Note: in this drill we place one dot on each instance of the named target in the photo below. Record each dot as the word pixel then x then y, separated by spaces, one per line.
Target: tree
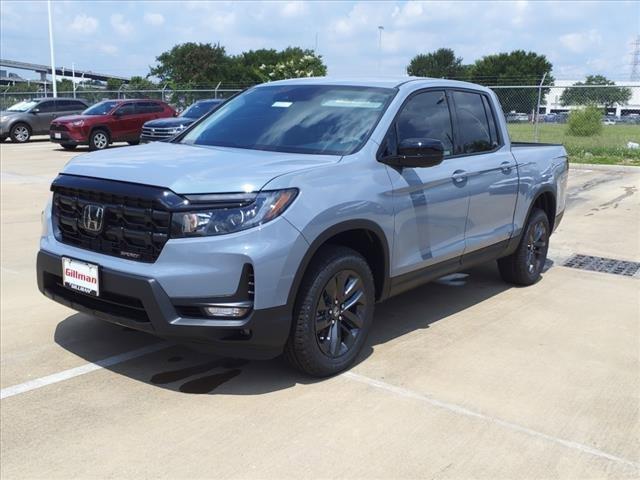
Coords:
pixel 607 96
pixel 293 62
pixel 514 68
pixel 442 63
pixel 114 84
pixel 64 85
pixel 191 64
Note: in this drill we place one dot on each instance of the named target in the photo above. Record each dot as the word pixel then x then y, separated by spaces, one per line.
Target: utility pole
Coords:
pixel 73 78
pixel 53 62
pixel 380 29
pixel 635 60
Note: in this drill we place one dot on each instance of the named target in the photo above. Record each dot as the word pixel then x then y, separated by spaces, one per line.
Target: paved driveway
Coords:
pixel 465 377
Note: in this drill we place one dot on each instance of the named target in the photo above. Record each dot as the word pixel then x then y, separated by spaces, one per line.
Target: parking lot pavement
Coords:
pixel 464 377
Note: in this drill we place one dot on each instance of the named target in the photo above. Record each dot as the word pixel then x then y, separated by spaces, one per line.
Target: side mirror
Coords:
pixel 35 110
pixel 416 153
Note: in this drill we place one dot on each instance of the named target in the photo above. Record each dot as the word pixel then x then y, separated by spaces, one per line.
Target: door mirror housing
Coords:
pixel 35 110
pixel 417 153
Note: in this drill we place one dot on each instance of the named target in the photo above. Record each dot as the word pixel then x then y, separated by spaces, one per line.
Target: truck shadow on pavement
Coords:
pixel 181 369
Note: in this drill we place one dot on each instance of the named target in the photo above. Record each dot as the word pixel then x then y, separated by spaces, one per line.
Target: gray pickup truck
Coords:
pixel 275 223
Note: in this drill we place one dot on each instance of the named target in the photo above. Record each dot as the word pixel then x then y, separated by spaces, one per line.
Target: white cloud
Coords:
pixel 295 8
pixel 579 42
pixel 120 25
pixel 108 48
pixel 84 24
pixel 155 19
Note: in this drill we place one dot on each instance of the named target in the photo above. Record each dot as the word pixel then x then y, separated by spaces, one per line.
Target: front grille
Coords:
pixel 135 223
pixel 56 127
pixel 157 133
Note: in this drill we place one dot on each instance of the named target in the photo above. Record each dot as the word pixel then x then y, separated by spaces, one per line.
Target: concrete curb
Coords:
pixel 611 168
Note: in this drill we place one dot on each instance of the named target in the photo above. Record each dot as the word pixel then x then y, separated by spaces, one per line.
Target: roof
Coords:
pixel 384 82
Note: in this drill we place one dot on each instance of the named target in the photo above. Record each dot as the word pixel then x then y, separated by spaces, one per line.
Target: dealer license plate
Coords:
pixel 80 276
pixel 57 135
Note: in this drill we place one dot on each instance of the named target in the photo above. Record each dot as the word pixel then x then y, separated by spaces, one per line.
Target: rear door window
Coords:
pixel 474 132
pixel 47 107
pixel 148 107
pixel 426 115
pixel 127 109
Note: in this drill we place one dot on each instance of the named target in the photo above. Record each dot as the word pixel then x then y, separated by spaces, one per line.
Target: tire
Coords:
pixel 20 133
pixel 99 139
pixel 524 266
pixel 135 142
pixel 68 146
pixel 317 318
pixel 3 139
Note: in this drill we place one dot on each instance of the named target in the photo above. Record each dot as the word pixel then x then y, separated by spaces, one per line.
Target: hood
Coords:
pixel 170 122
pixel 73 118
pixel 193 169
pixel 5 113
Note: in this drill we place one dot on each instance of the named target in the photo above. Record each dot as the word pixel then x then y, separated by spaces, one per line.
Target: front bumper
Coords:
pixel 71 137
pixel 141 303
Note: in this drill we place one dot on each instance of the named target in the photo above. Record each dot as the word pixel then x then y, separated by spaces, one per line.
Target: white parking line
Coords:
pixel 81 370
pixel 503 423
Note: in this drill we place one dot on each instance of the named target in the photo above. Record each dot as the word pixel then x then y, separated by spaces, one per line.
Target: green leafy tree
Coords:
pixel 191 64
pixel 585 122
pixel 603 96
pixel 293 62
pixel 64 86
pixel 442 63
pixel 514 68
pixel 113 84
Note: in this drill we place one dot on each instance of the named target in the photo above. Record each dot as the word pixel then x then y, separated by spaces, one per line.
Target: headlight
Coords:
pixel 78 123
pixel 250 210
pixel 175 130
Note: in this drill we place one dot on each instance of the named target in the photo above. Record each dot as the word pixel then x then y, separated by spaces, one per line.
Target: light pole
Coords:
pixel 380 29
pixel 53 62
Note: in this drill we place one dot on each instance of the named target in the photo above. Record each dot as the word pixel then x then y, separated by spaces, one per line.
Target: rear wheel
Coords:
pixel 524 266
pixel 99 140
pixel 333 313
pixel 68 146
pixel 20 133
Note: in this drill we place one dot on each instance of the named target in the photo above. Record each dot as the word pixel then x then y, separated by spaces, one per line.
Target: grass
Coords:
pixel 609 147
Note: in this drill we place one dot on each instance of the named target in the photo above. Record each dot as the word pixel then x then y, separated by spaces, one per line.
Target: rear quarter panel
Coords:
pixel 541 168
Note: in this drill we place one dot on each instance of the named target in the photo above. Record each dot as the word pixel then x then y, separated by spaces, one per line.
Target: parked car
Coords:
pixel 609 121
pixel 515 117
pixel 33 117
pixel 107 122
pixel 166 128
pixel 277 222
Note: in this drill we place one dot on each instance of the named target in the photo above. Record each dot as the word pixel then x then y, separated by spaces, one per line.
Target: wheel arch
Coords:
pixel 365 237
pixel 545 200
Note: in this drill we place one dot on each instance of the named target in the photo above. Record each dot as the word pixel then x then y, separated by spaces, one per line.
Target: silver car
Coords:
pixel 33 117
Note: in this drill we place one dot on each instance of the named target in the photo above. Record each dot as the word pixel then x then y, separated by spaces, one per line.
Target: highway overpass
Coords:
pixel 44 70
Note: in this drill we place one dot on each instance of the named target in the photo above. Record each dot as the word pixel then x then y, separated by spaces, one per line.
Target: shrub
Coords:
pixel 585 122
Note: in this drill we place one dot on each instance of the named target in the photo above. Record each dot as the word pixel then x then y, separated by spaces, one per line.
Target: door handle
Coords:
pixel 506 167
pixel 459 177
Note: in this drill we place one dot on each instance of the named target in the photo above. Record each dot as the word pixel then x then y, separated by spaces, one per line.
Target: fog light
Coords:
pixel 227 312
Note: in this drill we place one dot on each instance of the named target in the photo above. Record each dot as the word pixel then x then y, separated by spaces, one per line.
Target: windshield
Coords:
pixel 22 106
pixel 101 108
pixel 317 119
pixel 198 109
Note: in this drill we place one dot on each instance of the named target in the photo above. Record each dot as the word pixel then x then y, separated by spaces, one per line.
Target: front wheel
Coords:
pixel 20 133
pixel 99 140
pixel 333 313
pixel 524 266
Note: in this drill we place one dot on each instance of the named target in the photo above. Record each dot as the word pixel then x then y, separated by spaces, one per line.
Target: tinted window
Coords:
pixel 495 140
pixel 198 109
pixel 426 115
pixel 473 126
pixel 329 119
pixel 64 105
pixel 46 107
pixel 148 107
pixel 127 109
pixel 101 108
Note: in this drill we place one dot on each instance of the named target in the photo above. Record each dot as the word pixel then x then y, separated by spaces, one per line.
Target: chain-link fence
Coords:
pixel 549 114
pixel 591 121
pixel 179 99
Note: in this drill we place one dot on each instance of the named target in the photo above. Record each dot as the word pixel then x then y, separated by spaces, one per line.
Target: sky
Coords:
pixel 124 37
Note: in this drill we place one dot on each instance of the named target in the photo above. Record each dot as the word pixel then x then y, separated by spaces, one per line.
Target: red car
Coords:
pixel 107 122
